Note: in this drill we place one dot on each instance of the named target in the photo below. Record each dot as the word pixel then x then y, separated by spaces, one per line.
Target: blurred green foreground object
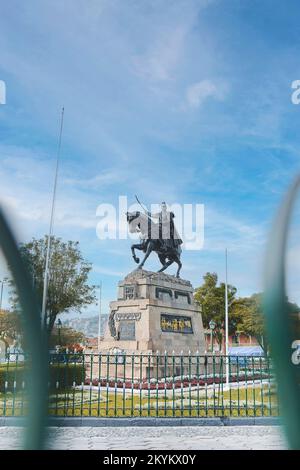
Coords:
pixel 36 341
pixel 282 326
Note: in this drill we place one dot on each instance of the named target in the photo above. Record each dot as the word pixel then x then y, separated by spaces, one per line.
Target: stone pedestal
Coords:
pixel 154 312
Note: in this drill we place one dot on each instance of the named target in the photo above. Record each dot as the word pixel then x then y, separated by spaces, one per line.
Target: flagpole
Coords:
pixel 226 322
pixel 99 319
pixel 46 273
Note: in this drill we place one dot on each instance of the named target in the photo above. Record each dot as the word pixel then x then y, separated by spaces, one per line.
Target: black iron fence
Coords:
pixel 154 385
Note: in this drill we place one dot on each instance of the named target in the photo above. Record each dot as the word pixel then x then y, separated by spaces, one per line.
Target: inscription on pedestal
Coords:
pixel 128 316
pixel 127 330
pixel 176 324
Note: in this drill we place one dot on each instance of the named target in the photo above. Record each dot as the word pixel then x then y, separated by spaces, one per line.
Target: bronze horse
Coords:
pixel 152 241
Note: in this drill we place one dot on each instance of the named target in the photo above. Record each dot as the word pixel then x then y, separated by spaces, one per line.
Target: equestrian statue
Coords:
pixel 157 233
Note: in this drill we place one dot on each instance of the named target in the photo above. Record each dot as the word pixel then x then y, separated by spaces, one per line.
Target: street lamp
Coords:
pixel 59 327
pixel 212 326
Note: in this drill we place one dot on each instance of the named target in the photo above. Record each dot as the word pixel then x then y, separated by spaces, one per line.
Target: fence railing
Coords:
pixel 157 385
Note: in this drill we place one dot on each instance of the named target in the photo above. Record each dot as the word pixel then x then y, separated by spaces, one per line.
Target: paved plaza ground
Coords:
pixel 163 437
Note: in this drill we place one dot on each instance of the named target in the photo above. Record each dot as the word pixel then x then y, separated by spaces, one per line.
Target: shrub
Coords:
pixel 62 376
pixel 65 375
pixel 11 377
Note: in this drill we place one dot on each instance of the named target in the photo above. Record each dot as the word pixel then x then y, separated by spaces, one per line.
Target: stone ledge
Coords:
pixel 75 421
pixel 138 274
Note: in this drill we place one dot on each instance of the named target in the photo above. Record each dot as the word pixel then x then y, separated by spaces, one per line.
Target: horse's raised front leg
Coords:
pixel 148 251
pixel 136 247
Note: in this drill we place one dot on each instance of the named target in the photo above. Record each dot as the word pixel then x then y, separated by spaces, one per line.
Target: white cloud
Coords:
pixel 160 62
pixel 197 93
pixel 26 190
pixel 103 63
pixel 168 31
pixel 109 177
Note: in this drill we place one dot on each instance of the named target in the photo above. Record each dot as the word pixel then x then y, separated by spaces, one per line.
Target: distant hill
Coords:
pixel 87 325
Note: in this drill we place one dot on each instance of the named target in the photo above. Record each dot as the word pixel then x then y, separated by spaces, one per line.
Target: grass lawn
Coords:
pixel 246 401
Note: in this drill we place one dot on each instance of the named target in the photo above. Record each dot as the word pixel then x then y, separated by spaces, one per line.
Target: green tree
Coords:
pixel 68 288
pixel 10 326
pixel 211 299
pixel 249 309
pixel 66 336
pixel 250 312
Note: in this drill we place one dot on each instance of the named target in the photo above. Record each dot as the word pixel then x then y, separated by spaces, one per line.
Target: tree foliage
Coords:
pixel 68 288
pixel 66 336
pixel 245 314
pixel 211 299
pixel 10 326
pixel 249 310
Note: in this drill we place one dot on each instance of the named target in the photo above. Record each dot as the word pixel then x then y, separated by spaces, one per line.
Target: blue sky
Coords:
pixel 183 101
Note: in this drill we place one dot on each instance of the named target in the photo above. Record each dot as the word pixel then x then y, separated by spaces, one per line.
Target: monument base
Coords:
pixel 155 314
